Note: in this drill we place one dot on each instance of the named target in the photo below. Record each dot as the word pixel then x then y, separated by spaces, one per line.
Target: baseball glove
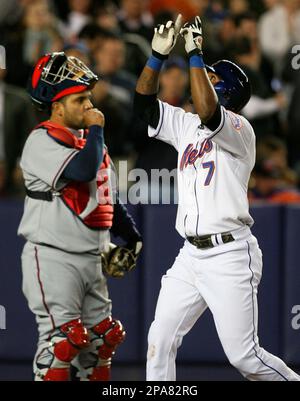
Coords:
pixel 120 259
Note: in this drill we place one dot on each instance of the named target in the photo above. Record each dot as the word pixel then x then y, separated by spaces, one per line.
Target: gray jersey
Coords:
pixel 53 223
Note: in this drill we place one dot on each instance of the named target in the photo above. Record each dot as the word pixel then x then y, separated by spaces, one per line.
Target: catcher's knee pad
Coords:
pixel 108 334
pixel 53 362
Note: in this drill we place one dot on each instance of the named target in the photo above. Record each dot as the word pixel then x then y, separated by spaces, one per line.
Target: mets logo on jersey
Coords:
pixel 190 155
pixel 236 121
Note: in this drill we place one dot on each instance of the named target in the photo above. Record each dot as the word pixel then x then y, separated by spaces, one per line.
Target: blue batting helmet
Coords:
pixel 234 89
pixel 55 76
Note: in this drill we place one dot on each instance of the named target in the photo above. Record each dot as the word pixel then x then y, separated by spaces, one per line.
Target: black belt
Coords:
pixel 46 196
pixel 205 241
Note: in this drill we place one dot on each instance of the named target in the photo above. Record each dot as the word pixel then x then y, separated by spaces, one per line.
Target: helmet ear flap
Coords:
pixel 222 93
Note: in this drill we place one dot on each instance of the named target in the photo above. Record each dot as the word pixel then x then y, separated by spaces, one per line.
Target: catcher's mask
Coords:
pixel 234 89
pixel 57 75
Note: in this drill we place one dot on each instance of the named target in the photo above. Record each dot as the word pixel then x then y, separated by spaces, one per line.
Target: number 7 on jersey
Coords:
pixel 211 167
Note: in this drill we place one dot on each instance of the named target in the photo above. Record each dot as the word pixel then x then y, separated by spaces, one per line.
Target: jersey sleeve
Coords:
pixel 44 159
pixel 173 123
pixel 234 134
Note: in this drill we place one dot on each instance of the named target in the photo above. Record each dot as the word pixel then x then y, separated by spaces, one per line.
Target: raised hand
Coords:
pixel 165 37
pixel 192 34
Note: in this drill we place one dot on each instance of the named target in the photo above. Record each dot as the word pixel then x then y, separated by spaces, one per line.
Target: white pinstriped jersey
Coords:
pixel 213 169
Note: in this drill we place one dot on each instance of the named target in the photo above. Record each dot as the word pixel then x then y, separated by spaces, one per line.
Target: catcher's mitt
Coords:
pixel 120 259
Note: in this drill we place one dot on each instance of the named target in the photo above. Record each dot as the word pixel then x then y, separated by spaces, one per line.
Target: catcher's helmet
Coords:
pixel 55 76
pixel 234 89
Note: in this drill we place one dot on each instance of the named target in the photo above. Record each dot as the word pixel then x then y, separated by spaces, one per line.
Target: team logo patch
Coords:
pixel 235 121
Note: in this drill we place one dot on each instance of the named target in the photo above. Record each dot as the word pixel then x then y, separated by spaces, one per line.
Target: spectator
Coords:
pixel 238 7
pixel 247 26
pixel 92 36
pixel 221 44
pixel 79 15
pixel 106 17
pixel 269 4
pixel 80 51
pixel 10 12
pixel 137 47
pixel 138 50
pixel 279 30
pixel 173 89
pixel 264 105
pixel 16 120
pixel 174 82
pixel 267 185
pixel 116 122
pixel 114 94
pixel 293 138
pixel 275 150
pixel 216 11
pixel 40 34
pixel 110 60
pixel 134 18
pixel 36 35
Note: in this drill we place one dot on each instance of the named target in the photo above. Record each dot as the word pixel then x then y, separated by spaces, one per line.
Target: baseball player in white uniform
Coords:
pixel 68 216
pixel 220 264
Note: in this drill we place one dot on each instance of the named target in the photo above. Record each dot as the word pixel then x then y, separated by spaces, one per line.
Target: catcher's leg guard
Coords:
pixel 108 335
pixel 53 362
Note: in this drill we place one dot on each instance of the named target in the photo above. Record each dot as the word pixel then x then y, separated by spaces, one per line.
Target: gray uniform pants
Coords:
pixel 61 287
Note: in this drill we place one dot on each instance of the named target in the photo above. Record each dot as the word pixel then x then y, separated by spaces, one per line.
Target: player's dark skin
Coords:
pixel 203 94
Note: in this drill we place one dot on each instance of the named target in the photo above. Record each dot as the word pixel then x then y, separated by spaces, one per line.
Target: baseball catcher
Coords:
pixel 71 208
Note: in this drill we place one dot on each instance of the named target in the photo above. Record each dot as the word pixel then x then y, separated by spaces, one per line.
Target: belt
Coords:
pixel 46 196
pixel 210 241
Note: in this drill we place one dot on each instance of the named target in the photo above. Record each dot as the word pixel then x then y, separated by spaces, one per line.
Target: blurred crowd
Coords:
pixel 114 39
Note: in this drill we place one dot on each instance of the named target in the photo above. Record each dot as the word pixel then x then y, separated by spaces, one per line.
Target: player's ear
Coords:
pixel 214 79
pixel 58 109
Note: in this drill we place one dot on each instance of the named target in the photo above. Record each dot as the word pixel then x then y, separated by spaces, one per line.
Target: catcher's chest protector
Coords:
pixel 90 202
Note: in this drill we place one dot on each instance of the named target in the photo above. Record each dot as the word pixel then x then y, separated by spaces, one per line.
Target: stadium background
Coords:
pixel 114 39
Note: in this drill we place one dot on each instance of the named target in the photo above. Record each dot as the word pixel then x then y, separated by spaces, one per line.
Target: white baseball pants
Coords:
pixel 224 279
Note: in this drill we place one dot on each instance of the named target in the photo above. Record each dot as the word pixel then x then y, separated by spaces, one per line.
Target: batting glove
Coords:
pixel 192 34
pixel 165 37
